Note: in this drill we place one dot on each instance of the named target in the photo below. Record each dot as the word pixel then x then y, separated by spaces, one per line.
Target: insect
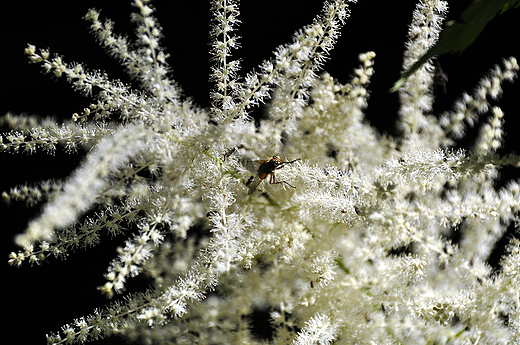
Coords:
pixel 440 79
pixel 268 168
pixel 231 151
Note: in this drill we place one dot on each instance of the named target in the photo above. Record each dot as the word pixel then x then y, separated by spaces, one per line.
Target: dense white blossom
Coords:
pixel 348 238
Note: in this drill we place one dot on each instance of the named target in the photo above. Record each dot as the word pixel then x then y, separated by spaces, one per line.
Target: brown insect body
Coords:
pixel 267 168
pixel 440 79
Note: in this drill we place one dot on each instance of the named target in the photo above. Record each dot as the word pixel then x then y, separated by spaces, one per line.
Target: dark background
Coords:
pixel 41 299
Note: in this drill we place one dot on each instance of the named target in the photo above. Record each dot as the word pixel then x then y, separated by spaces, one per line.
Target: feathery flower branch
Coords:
pixel 364 238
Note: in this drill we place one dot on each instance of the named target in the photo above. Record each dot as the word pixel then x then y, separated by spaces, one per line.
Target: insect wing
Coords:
pixel 252 165
pixel 254 184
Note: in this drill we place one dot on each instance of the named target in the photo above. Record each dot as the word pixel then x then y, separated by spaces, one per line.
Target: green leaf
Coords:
pixel 457 36
pixel 510 5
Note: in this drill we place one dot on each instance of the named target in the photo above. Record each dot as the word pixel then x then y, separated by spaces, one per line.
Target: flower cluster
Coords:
pixel 352 240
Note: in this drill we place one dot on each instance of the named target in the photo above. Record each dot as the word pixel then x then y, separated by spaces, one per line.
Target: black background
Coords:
pixel 40 299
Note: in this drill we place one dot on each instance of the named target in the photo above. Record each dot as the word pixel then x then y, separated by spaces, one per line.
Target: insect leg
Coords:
pixel 272 180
